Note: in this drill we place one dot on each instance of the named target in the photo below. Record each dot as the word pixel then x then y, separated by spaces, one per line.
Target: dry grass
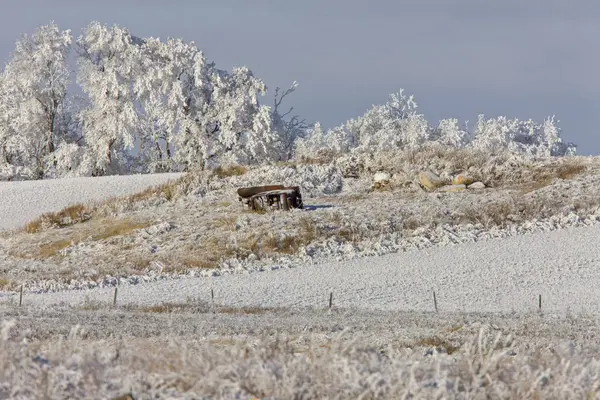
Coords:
pixel 225 221
pixel 71 215
pixel 119 227
pixel 225 172
pixel 542 176
pixel 570 169
pixel 4 283
pixel 265 367
pixel 51 249
pixel 244 310
pixel 51 246
pixel 438 343
pixel 166 191
pixel 505 212
pixel 191 306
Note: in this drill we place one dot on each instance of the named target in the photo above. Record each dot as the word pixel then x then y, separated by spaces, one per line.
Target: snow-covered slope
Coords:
pixel 498 275
pixel 478 273
pixel 23 201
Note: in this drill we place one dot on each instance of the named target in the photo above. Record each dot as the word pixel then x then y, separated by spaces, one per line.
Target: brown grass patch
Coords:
pixel 198 307
pixel 166 190
pixel 437 342
pixel 244 310
pixel 228 222
pixel 163 308
pixel 51 249
pixel 199 263
pixel 540 183
pixel 224 172
pixel 99 230
pixel 121 227
pixel 71 215
pixel 4 283
pixel 569 170
pixel 545 175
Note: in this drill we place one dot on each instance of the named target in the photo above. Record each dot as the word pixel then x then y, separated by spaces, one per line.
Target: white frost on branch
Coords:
pixel 396 125
pixel 33 90
pixel 161 106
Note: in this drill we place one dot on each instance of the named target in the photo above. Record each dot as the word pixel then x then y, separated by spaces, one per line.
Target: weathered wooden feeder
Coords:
pixel 277 197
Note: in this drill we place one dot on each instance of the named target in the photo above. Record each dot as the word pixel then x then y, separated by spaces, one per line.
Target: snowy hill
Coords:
pixel 23 201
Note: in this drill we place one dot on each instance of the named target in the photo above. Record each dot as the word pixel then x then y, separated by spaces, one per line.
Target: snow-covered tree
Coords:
pixel 34 89
pixel 450 133
pixel 231 127
pixel 291 128
pixel 396 126
pixel 172 87
pixel 108 61
pixel 313 144
pixel 393 125
pixel 529 138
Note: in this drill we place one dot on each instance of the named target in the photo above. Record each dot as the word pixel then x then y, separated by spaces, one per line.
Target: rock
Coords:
pixel 381 180
pixel 127 396
pixel 477 185
pixel 430 180
pixel 381 177
pixel 453 188
pixel 462 180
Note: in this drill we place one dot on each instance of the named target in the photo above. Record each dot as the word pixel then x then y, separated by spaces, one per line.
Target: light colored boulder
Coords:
pixel 381 180
pixel 381 177
pixel 477 185
pixel 453 188
pixel 462 180
pixel 431 181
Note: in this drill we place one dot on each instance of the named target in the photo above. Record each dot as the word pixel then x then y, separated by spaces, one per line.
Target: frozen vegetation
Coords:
pixel 488 216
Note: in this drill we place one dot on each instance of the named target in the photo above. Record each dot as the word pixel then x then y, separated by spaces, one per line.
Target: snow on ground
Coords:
pixel 23 201
pixel 479 269
pixel 497 275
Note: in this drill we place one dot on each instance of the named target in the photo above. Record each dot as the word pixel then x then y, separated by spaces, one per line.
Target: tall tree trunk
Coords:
pixel 50 134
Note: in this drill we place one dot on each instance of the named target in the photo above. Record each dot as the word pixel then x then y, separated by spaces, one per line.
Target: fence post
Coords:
pixel 435 302
pixel 212 299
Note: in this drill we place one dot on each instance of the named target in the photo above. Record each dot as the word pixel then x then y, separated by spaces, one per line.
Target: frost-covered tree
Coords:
pixel 194 114
pixel 450 133
pixel 231 126
pixel 314 144
pixel 290 129
pixel 396 126
pixel 108 61
pixel 172 87
pixel 529 138
pixel 34 90
pixel 393 125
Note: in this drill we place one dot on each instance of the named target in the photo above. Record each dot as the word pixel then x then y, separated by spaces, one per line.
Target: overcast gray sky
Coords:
pixel 519 58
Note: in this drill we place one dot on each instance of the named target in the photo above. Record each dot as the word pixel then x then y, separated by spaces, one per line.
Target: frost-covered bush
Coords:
pixel 392 125
pixel 395 126
pixel 313 179
pixel 523 137
pixel 162 106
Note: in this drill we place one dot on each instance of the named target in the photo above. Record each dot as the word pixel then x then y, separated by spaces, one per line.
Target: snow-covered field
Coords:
pixel 470 269
pixel 382 339
pixel 22 201
pixel 498 275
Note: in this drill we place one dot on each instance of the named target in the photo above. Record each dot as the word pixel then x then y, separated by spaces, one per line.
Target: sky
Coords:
pixel 460 58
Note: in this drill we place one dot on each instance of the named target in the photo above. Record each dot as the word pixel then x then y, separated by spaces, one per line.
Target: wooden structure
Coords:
pixel 278 197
